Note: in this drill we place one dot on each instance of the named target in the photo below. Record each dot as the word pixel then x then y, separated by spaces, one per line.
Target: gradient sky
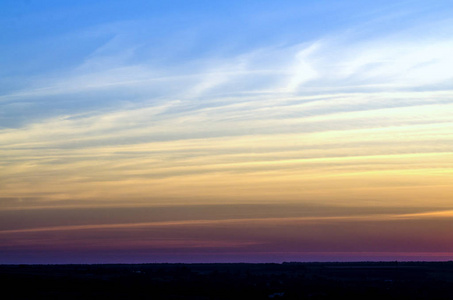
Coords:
pixel 225 131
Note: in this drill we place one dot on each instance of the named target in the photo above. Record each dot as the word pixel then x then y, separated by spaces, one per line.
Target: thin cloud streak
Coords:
pixel 378 217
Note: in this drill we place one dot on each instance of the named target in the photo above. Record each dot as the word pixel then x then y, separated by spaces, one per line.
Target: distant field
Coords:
pixel 364 280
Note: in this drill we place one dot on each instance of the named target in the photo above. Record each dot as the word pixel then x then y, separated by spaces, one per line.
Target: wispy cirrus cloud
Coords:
pixel 356 114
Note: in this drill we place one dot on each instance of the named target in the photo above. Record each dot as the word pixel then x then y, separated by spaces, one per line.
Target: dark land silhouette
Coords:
pixel 359 280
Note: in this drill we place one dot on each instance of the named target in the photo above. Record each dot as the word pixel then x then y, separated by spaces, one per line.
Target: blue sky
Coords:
pixel 107 104
pixel 47 41
pixel 52 36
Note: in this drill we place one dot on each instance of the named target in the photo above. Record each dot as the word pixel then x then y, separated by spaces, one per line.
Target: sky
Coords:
pixel 225 131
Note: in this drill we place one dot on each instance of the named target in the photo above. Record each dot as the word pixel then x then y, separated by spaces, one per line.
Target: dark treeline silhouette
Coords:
pixel 364 280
